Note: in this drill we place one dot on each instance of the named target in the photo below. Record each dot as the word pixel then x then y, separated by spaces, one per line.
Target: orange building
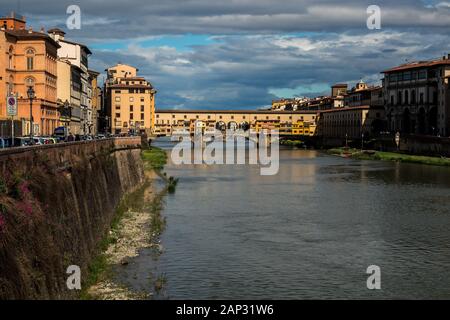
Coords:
pixel 28 59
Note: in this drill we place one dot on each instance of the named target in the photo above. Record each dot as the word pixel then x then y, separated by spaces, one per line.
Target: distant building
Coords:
pixel 339 89
pixel 28 59
pixel 417 97
pixel 364 95
pixel 129 100
pixel 350 123
pixel 286 122
pixel 96 100
pixel 77 55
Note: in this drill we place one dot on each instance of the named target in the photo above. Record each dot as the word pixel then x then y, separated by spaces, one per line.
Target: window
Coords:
pixel 117 106
pixel 413 96
pixel 142 108
pixel 422 74
pixel 10 87
pixel 131 108
pixel 117 91
pixel 117 115
pixel 406 97
pixel 142 116
pixel 131 116
pixel 399 98
pixel 142 99
pixel 10 58
pixel 30 59
pixel 117 99
pixel 407 76
pixel 421 98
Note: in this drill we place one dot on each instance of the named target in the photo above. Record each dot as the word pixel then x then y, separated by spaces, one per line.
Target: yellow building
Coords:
pixel 168 121
pixel 96 99
pixel 130 100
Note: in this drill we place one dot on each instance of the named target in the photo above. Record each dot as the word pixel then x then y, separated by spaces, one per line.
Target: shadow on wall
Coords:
pixel 54 211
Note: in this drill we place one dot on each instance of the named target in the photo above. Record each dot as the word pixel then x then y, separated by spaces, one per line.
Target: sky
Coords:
pixel 242 54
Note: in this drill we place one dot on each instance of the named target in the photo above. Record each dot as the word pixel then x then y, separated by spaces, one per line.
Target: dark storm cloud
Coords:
pixel 250 71
pixel 257 60
pixel 130 19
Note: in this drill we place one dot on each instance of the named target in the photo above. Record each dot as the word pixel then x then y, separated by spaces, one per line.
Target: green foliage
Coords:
pixel 292 143
pixel 154 158
pixel 171 184
pixel 389 156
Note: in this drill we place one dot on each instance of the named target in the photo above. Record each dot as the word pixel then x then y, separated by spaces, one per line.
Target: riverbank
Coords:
pixel 388 156
pixel 137 225
pixel 292 143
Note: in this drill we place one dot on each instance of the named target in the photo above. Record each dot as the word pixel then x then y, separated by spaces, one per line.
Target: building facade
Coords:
pixel 28 59
pixel 417 97
pixel 77 55
pixel 293 122
pixel 129 101
pixel 351 122
pixel 96 100
pixel 364 95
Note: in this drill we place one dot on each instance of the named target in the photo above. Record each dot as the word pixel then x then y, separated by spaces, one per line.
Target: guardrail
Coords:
pixel 61 154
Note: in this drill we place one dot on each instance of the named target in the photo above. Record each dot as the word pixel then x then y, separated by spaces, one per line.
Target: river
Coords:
pixel 309 232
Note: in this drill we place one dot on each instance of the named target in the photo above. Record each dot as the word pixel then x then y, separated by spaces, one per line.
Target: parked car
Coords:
pixel 38 141
pixel 22 142
pixel 5 143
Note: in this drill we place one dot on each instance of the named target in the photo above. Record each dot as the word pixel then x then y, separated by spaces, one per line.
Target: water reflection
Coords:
pixel 308 232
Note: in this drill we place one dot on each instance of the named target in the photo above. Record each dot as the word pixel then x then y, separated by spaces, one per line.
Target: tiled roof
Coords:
pixel 419 64
pixel 235 111
pixel 32 35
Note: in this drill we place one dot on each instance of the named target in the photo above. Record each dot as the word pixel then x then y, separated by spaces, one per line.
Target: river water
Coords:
pixel 309 232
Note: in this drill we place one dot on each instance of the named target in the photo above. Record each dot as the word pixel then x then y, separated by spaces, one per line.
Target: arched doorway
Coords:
pixel 432 121
pixel 245 126
pixel 377 126
pixel 422 121
pixel 221 126
pixel 406 122
pixel 232 125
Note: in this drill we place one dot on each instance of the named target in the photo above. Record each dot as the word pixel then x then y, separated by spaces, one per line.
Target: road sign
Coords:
pixel 11 106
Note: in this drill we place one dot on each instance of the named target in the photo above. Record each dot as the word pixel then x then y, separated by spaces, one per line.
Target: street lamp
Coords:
pixel 66 118
pixel 31 96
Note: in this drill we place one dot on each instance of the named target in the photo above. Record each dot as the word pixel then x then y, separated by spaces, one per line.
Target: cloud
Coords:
pixel 244 53
pixel 249 71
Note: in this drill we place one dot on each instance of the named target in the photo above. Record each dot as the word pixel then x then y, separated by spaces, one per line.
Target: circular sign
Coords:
pixel 11 101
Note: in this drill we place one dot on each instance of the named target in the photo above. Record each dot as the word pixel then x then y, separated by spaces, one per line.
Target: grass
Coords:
pixel 154 158
pixel 292 143
pixel 390 156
